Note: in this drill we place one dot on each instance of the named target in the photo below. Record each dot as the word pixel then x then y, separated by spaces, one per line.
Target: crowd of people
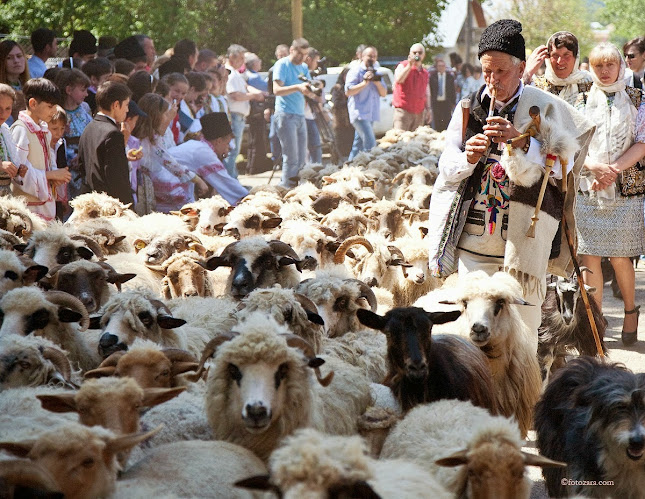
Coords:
pixel 159 132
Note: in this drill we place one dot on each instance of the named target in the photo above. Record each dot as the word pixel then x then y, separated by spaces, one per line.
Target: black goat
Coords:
pixel 592 416
pixel 421 369
pixel 565 327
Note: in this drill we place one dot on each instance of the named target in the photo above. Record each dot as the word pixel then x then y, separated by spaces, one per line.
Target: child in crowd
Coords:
pixel 178 84
pixel 98 71
pixel 8 152
pixel 73 85
pixel 190 107
pixel 133 151
pixel 101 151
pixel 57 126
pixel 173 183
pixel 218 92
pixel 32 137
pixel 141 83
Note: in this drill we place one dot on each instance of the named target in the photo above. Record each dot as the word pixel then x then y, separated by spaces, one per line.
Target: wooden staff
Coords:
pixel 548 166
pixel 581 283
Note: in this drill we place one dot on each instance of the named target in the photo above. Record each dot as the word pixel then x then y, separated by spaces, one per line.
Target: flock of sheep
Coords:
pixel 295 344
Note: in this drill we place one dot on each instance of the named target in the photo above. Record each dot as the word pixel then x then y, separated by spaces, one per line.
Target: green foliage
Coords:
pixel 627 18
pixel 335 27
pixel 541 18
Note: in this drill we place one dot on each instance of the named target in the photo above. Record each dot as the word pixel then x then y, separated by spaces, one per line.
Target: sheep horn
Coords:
pixel 91 244
pixel 178 355
pixel 113 359
pixel 396 179
pixel 211 348
pixel 29 225
pixel 281 248
pixel 313 361
pixel 66 300
pixel 339 256
pixel 110 236
pixel 59 359
pixel 159 305
pixel 9 237
pixel 366 292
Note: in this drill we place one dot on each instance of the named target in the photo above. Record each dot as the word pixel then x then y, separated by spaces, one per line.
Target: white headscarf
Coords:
pixel 615 129
pixel 570 91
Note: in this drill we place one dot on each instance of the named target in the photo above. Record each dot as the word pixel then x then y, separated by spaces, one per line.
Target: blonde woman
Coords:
pixel 610 217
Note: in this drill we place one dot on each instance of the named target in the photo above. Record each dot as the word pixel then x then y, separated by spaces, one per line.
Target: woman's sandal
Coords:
pixel 630 338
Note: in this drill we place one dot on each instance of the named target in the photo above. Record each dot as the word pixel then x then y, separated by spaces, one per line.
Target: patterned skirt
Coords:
pixel 615 228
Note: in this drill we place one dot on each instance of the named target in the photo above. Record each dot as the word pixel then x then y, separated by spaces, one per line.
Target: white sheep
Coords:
pixel 16 218
pixel 260 389
pixel 207 216
pixel 314 465
pixel 250 219
pixel 416 279
pixel 49 314
pixel 491 321
pixel 470 452
pixel 15 273
pixel 94 205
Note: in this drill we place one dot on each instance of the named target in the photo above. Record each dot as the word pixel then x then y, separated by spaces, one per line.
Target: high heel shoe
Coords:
pixel 629 338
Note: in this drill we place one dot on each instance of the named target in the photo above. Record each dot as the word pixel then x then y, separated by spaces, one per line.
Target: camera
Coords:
pixel 314 86
pixel 377 77
pixel 321 69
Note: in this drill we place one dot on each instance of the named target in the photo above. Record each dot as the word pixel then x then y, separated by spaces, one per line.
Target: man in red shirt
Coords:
pixel 410 90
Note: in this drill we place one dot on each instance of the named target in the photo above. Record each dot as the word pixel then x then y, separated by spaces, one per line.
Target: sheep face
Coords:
pixel 13 273
pixel 256 263
pixel 82 461
pixel 28 362
pixel 408 333
pixel 386 218
pixel 130 316
pixel 157 250
pixel 213 219
pixel 381 265
pixel 184 278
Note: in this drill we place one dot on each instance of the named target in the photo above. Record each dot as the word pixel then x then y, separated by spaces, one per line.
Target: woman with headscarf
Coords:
pixel 609 211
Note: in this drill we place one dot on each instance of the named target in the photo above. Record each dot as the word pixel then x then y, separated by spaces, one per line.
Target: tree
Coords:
pixel 626 16
pixel 541 18
pixel 335 27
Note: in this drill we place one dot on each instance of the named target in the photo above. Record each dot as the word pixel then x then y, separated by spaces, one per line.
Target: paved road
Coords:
pixel 633 357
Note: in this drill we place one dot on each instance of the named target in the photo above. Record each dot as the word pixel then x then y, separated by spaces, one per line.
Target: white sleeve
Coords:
pixel 226 186
pixel 21 140
pixel 453 165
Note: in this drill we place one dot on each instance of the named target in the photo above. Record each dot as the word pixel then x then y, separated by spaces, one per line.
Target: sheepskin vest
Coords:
pixel 527 259
pixel 39 158
pixel 411 94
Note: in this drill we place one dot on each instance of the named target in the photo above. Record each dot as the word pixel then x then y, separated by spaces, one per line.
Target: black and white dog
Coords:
pixel 592 416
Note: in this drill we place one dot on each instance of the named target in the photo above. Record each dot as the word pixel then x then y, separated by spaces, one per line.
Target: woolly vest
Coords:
pixel 411 94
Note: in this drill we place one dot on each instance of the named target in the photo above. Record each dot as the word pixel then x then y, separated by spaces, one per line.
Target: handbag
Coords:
pixel 632 180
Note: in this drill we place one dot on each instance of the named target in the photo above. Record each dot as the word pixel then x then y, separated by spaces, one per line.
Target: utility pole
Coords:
pixel 296 18
pixel 469 29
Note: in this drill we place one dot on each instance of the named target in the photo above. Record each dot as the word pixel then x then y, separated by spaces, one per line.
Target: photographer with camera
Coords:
pixel 364 89
pixel 290 124
pixel 411 90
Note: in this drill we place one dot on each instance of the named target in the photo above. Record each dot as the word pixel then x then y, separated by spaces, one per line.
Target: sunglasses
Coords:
pixel 630 56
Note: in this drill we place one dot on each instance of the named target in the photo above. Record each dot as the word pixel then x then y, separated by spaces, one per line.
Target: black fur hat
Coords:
pixel 215 125
pixel 505 36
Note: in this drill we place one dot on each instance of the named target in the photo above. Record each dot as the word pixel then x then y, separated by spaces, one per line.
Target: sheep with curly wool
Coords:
pixel 14 273
pixel 16 218
pixel 260 389
pixel 94 205
pixel 215 315
pixel 386 218
pixel 191 469
pixel 156 249
pixel 314 243
pixel 346 221
pixel 33 361
pixel 59 244
pixel 113 403
pixel 416 175
pixel 256 263
pixel 249 219
pixel 184 276
pixel 470 452
pixel 50 315
pixel 206 216
pixel 105 234
pixel 491 321
pixel 137 314
pixel 314 465
pixel 414 196
pixel 81 460
pixel 296 211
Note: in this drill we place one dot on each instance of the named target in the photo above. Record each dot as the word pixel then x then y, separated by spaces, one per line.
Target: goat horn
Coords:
pixel 211 348
pixel 111 237
pixel 178 355
pixel 29 225
pixel 66 300
pixel 367 293
pixel 339 256
pixel 91 244
pixel 299 342
pixel 59 359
